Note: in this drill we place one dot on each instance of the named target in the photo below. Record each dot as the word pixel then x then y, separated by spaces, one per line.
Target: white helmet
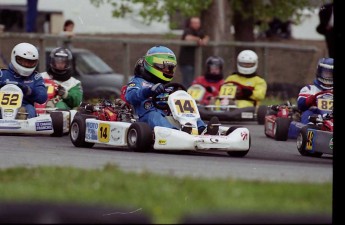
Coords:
pixel 24 58
pixel 247 62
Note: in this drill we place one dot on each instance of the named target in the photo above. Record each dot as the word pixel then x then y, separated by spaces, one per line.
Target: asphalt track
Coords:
pixel 267 159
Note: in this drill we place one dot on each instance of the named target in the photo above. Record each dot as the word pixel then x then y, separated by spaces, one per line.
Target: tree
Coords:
pixel 242 14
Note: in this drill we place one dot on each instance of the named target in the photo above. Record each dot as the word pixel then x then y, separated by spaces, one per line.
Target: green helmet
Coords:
pixel 160 62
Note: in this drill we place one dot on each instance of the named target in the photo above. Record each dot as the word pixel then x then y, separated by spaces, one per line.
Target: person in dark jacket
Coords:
pixel 325 27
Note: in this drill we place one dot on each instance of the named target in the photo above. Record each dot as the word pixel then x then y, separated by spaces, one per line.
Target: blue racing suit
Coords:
pixel 308 108
pixel 34 81
pixel 138 94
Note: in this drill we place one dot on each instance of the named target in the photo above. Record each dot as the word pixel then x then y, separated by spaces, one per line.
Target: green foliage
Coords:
pixel 165 198
pixel 157 10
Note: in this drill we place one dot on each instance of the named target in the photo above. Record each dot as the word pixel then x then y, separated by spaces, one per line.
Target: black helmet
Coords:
pixel 60 63
pixel 217 62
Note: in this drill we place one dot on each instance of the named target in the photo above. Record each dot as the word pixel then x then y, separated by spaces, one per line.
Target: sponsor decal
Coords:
pixel 47 125
pixel 131 85
pixel 247 115
pixel 8 112
pixel 91 125
pixel 331 144
pixel 37 76
pixel 310 137
pixel 147 105
pixel 162 141
pixel 164 133
pixel 244 135
pixel 9 124
pixel 91 131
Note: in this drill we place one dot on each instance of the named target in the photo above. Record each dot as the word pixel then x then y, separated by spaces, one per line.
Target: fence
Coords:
pixel 278 62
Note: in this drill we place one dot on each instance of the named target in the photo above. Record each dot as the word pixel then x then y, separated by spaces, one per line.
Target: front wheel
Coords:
pixel 301 142
pixel 281 128
pixel 77 132
pixel 139 137
pixel 57 120
pixel 261 113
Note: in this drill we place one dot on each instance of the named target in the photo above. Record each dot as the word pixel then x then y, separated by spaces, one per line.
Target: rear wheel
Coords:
pixel 281 128
pixel 77 132
pixel 301 142
pixel 139 137
pixel 57 120
pixel 261 113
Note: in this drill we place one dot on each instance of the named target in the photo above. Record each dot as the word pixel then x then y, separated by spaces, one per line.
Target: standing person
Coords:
pixel 70 91
pixel 325 27
pixel 68 31
pixel 152 71
pixel 192 32
pixel 212 79
pixel 251 88
pixel 24 59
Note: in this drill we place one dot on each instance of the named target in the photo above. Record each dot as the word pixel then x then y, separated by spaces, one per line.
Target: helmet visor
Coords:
pixel 27 63
pixel 166 67
pixel 60 63
pixel 246 64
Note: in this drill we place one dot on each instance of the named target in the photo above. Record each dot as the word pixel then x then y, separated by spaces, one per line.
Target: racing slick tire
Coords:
pixel 139 137
pixel 281 128
pixel 57 120
pixel 77 132
pixel 237 153
pixel 301 142
pixel 261 113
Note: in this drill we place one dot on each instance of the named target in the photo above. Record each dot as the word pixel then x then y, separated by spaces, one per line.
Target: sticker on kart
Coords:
pixel 197 92
pixel 10 100
pixel 228 91
pixel 325 104
pixel 185 107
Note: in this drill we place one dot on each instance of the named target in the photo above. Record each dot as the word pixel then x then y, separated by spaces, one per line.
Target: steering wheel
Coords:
pixel 160 100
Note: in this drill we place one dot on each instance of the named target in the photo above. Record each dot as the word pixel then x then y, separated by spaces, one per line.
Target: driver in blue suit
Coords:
pixel 24 59
pixel 306 101
pixel 151 72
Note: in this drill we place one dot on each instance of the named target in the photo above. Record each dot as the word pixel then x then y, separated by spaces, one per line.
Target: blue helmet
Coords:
pixel 324 73
pixel 161 63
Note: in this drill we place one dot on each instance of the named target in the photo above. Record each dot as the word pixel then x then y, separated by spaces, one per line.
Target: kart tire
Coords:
pixel 57 120
pixel 281 129
pixel 237 153
pixel 139 137
pixel 302 142
pixel 77 132
pixel 261 113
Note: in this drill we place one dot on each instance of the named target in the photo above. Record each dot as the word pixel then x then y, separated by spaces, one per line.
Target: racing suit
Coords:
pixel 137 94
pixel 306 102
pixel 250 89
pixel 34 82
pixel 74 92
pixel 212 88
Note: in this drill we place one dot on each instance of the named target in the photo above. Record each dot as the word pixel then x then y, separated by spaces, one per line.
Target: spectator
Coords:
pixel 325 26
pixel 24 59
pixel 192 32
pixel 70 93
pixel 212 79
pixel 251 88
pixel 68 31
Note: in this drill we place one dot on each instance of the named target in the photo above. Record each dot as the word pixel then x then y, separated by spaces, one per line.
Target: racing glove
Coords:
pixel 61 91
pixel 243 92
pixel 209 89
pixel 310 100
pixel 154 90
pixel 25 88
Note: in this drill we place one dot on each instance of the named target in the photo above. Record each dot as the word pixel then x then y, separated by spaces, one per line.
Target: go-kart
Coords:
pixel 278 119
pixel 138 136
pixel 323 105
pixel 49 106
pixel 14 120
pixel 224 105
pixel 316 138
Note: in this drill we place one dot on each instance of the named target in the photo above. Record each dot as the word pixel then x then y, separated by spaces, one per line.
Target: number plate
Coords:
pixel 185 106
pixel 10 100
pixel 325 104
pixel 228 91
pixel 103 132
